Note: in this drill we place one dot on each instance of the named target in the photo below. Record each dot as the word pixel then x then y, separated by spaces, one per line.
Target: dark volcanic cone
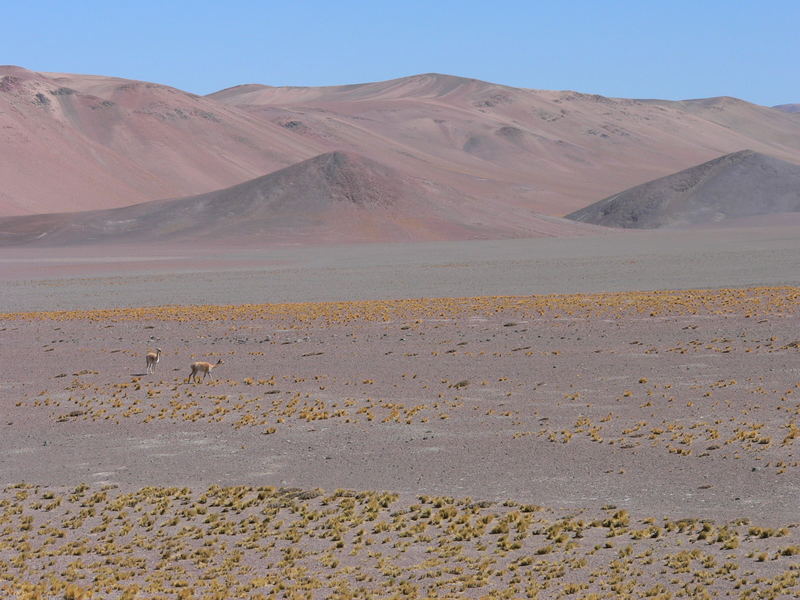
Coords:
pixel 742 184
pixel 295 198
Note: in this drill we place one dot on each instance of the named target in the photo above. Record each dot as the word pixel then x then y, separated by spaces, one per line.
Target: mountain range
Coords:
pixel 86 142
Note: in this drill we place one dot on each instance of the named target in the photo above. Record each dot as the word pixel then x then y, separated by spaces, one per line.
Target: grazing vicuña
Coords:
pixel 204 368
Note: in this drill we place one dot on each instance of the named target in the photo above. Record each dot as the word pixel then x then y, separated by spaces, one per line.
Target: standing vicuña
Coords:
pixel 151 358
pixel 204 368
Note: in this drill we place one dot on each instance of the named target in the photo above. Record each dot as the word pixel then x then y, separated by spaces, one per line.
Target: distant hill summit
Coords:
pixel 425 85
pixel 333 197
pixel 790 108
pixel 741 184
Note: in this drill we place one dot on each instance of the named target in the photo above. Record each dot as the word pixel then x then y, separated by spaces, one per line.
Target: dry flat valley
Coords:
pixel 629 444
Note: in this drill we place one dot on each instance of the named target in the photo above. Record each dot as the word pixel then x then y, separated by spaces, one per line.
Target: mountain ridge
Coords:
pixel 81 142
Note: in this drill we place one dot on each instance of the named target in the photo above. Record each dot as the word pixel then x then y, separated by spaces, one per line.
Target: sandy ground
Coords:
pixel 620 444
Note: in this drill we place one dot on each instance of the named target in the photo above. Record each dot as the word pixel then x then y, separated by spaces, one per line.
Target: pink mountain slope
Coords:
pixel 120 142
pixel 76 142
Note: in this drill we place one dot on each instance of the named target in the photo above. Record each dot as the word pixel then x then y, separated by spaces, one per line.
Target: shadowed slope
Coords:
pixel 335 197
pixel 742 184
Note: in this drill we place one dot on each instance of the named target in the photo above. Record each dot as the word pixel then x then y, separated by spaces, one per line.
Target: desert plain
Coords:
pixel 450 361
pixel 484 419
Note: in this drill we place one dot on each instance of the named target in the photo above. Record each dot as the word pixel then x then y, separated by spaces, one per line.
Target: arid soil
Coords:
pixel 588 446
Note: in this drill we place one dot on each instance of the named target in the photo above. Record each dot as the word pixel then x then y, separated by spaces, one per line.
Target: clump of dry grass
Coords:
pixel 749 302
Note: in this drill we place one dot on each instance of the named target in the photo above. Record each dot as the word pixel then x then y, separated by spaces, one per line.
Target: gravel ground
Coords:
pixel 100 277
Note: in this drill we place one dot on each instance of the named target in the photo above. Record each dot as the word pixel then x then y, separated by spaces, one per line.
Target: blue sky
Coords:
pixel 668 49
